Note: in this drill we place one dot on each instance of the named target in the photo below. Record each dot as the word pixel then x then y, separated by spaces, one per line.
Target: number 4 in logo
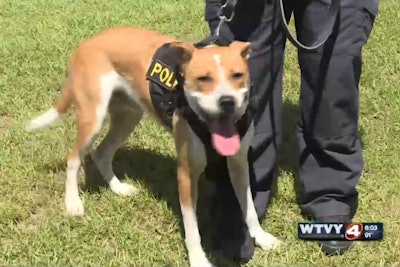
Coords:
pixel 354 231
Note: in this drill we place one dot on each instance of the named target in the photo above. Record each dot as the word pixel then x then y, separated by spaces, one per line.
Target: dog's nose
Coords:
pixel 227 103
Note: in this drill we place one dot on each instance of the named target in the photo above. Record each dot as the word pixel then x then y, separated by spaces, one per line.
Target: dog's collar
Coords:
pixel 213 40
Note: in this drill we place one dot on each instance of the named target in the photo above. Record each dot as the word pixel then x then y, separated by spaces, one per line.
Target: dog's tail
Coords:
pixel 53 114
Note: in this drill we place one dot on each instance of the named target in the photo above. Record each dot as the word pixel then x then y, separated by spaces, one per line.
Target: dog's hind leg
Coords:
pixel 123 120
pixel 87 130
pixel 91 108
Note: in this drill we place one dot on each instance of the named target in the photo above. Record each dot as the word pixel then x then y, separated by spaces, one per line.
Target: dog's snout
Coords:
pixel 227 103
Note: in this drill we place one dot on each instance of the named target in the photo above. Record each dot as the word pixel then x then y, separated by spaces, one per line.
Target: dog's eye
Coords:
pixel 237 75
pixel 204 78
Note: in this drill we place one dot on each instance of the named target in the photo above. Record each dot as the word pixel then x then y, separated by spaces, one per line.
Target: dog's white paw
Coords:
pixel 266 241
pixel 74 206
pixel 123 189
pixel 199 259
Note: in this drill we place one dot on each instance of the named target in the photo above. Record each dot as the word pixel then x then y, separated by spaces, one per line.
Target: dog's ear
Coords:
pixel 243 47
pixel 183 50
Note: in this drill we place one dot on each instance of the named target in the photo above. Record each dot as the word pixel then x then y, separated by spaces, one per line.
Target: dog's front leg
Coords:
pixel 191 163
pixel 239 172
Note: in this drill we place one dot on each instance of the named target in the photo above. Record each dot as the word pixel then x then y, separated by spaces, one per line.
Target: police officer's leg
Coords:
pixel 330 149
pixel 257 22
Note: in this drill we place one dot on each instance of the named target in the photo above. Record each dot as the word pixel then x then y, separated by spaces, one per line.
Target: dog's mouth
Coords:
pixel 224 135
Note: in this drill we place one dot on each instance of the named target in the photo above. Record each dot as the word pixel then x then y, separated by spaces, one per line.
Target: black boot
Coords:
pixel 332 248
pixel 232 236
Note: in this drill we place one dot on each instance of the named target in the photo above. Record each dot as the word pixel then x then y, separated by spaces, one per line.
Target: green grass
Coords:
pixel 36 38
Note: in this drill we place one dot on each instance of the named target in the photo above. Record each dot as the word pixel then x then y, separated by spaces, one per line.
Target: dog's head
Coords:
pixel 216 85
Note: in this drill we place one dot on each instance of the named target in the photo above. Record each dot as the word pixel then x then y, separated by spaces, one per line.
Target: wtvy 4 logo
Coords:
pixel 340 231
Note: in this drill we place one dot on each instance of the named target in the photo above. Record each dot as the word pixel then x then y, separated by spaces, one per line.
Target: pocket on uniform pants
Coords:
pixel 372 6
pixel 366 13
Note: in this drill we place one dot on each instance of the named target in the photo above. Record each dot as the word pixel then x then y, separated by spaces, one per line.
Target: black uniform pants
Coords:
pixel 329 148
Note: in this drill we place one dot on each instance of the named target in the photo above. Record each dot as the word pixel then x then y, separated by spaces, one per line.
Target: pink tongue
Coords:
pixel 224 137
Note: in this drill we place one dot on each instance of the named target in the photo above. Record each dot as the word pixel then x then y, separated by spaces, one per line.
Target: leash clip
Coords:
pixel 223 18
pixel 221 13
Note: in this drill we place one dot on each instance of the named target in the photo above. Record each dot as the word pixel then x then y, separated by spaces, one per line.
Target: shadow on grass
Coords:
pixel 288 156
pixel 157 173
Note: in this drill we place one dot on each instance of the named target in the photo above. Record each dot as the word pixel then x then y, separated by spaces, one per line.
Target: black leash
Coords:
pixel 225 15
pixel 227 12
pixel 327 29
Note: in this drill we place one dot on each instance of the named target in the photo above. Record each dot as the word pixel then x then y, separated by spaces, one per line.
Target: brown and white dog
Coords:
pixel 107 74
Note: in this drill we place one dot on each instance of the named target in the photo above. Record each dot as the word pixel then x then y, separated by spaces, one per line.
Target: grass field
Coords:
pixel 36 38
